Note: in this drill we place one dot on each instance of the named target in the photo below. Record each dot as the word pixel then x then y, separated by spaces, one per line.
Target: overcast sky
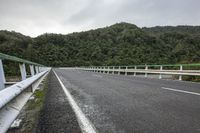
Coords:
pixel 35 17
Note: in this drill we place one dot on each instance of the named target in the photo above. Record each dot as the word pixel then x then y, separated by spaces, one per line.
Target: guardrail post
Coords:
pixel 160 76
pixel 39 69
pixel 113 72
pixel 135 69
pixel 23 71
pixel 108 70
pixel 119 70
pixel 32 70
pixel 42 69
pixel 146 68
pixel 2 76
pixel 180 76
pixel 36 69
pixel 126 70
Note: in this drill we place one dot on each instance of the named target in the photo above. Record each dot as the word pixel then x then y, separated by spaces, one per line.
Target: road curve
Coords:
pixel 125 104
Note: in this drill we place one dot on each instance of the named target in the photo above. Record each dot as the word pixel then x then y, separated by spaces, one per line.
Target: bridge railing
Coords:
pixel 35 68
pixel 14 97
pixel 159 70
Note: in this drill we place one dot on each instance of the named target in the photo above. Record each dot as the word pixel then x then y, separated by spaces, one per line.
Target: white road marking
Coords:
pixel 85 124
pixel 182 91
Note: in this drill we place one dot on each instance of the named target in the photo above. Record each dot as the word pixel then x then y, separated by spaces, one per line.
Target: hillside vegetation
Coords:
pixel 119 44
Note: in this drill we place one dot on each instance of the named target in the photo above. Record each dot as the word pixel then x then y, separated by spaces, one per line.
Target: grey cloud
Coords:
pixel 34 17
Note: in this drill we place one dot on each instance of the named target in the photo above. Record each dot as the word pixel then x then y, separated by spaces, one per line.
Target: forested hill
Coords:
pixel 179 29
pixel 119 44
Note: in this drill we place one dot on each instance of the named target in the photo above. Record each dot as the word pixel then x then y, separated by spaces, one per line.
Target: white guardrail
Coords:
pixel 11 92
pixel 14 97
pixel 177 69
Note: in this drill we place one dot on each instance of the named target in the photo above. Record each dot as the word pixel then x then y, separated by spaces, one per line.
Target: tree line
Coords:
pixel 118 44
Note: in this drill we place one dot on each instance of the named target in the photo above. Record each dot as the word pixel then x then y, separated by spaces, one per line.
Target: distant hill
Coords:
pixel 118 44
pixel 179 29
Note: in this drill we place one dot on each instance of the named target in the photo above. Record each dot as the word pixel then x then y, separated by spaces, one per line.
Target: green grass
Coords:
pixel 39 97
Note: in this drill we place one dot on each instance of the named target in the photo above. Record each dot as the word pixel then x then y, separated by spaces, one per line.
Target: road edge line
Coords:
pixel 84 123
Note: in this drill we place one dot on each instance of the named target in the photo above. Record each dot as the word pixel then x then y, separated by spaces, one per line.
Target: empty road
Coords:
pixel 126 104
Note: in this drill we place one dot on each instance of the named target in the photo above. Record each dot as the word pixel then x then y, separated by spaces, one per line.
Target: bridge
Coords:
pixel 121 99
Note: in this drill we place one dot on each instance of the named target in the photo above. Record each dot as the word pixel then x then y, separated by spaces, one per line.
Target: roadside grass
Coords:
pixel 39 96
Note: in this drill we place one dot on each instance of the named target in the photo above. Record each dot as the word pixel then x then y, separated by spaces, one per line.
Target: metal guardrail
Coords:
pixel 170 69
pixel 16 59
pixel 11 92
pixel 14 97
pixel 34 68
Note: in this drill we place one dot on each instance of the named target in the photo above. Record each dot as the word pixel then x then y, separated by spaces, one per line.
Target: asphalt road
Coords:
pixel 126 104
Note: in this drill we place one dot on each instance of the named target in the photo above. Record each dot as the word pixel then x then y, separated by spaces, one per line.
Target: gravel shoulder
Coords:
pixel 57 115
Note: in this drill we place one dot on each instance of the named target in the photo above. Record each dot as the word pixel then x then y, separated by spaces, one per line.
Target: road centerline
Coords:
pixel 181 91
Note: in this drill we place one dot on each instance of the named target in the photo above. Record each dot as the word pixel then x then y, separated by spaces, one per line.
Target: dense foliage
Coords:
pixel 119 44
